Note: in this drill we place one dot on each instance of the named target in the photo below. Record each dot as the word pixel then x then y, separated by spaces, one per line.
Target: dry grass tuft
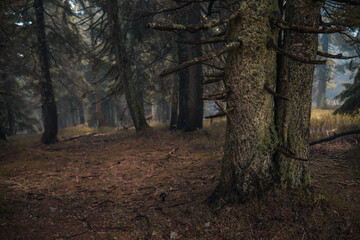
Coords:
pixel 324 123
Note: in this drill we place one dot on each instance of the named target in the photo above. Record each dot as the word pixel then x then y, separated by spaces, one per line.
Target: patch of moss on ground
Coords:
pixel 5 173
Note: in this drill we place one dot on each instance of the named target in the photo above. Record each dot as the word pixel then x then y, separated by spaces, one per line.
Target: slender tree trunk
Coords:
pixel 174 105
pixel 49 113
pixel 11 119
pixel 122 61
pixel 250 139
pixel 295 82
pixel 99 114
pixel 323 76
pixel 195 86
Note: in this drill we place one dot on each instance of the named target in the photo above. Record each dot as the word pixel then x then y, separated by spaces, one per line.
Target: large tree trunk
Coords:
pixel 323 76
pixel 49 113
pixel 250 139
pixel 195 88
pixel 122 62
pixel 295 82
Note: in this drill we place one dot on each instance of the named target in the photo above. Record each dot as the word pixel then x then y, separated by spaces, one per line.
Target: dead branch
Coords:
pixel 204 41
pixel 305 29
pixel 192 28
pixel 289 153
pixel 220 114
pixel 172 153
pixel 219 93
pixel 275 94
pixel 339 56
pixel 225 111
pixel 335 136
pixel 272 45
pixel 204 58
pixel 78 136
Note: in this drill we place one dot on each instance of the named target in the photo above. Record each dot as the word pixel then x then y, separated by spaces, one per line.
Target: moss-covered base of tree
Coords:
pixel 224 195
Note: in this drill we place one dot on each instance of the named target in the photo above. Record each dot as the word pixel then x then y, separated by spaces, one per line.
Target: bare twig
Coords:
pixel 219 93
pixel 275 94
pixel 204 41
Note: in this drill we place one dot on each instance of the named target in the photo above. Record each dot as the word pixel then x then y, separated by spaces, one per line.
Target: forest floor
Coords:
pixel 122 185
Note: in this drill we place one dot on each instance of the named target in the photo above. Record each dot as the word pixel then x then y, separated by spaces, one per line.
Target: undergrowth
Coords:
pixel 324 123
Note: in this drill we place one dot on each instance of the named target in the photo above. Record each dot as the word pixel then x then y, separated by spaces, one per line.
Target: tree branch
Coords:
pixel 192 28
pixel 205 41
pixel 275 94
pixel 271 44
pixel 305 29
pixel 210 95
pixel 207 57
pixel 339 56
pixel 335 136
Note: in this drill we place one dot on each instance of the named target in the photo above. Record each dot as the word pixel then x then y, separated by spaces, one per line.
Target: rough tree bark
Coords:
pixel 295 82
pixel 183 76
pixel 122 62
pixel 323 76
pixel 250 139
pixel 49 113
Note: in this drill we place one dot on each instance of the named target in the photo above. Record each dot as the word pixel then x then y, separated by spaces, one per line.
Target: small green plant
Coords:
pixel 319 197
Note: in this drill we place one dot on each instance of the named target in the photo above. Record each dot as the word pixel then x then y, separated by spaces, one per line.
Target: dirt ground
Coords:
pixel 128 186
